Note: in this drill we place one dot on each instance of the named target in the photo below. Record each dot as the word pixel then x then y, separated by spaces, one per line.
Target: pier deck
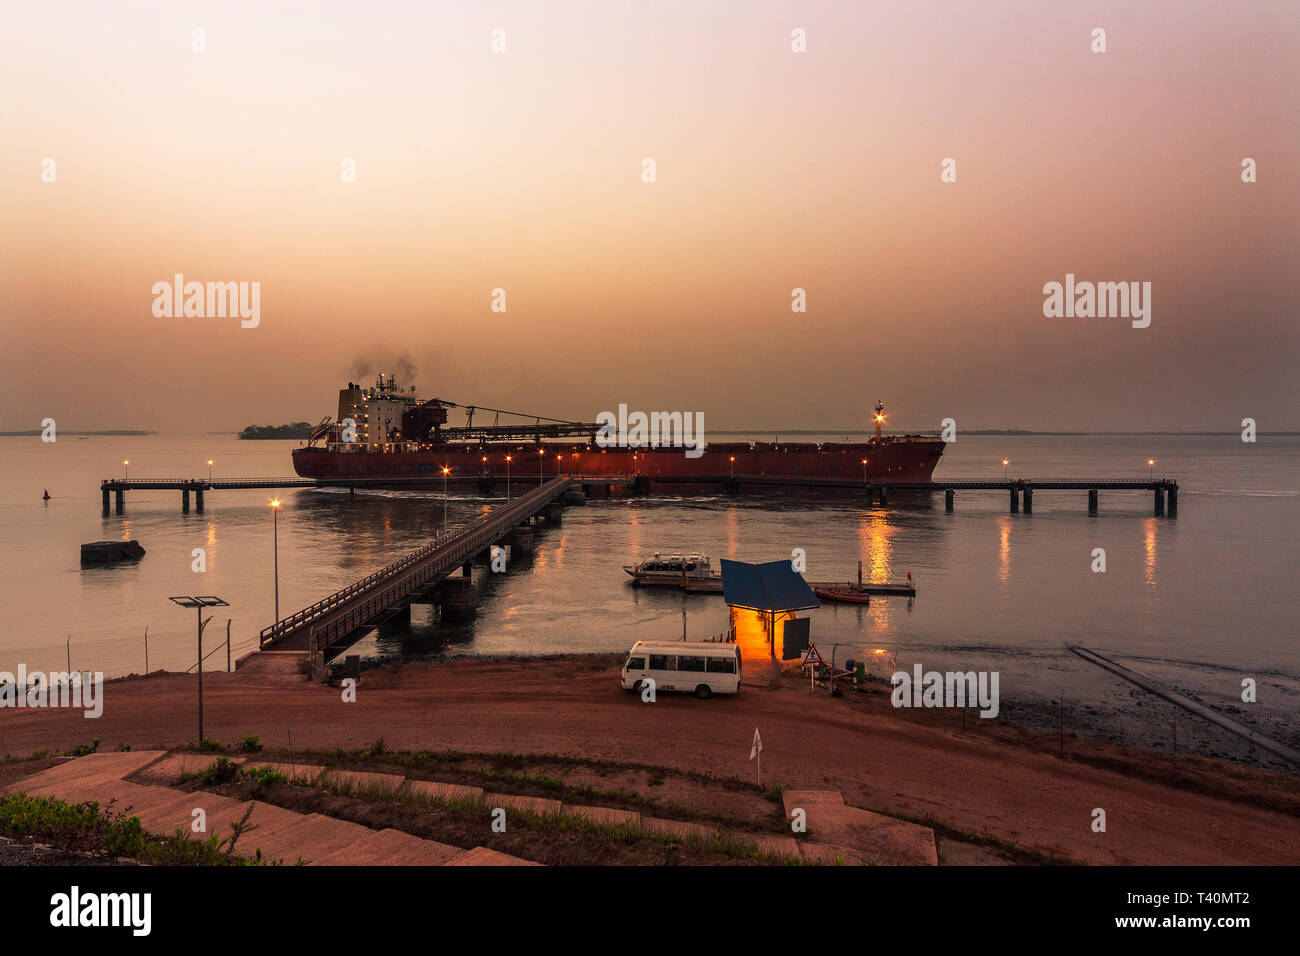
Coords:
pixel 391 590
pixel 1019 490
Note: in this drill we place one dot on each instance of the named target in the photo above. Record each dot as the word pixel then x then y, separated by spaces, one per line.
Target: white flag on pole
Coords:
pixel 756 747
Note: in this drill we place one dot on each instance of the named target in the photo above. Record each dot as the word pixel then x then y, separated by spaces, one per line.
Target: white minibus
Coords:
pixel 701 668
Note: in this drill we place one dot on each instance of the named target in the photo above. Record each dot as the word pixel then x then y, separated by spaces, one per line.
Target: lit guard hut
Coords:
pixel 773 589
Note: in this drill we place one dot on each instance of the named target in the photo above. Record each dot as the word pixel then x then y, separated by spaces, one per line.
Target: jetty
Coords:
pixel 1020 491
pixel 425 576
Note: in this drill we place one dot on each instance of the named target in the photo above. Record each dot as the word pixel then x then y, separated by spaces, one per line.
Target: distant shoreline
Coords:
pixel 33 432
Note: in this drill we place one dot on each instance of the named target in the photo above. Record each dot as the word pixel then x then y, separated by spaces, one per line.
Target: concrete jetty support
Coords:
pixel 198 500
pixel 1160 502
pixel 105 493
pixel 554 513
pixel 948 497
pixel 884 495
pixel 1015 501
pixel 1173 501
pixel 521 539
pixel 1029 500
pixel 185 501
pixel 1092 501
pixel 458 598
pixel 119 503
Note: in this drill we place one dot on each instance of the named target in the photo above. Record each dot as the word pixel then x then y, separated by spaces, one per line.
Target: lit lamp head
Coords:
pixel 275 502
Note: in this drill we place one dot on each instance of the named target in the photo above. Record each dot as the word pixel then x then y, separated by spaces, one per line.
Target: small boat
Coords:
pixel 46 496
pixel 845 592
pixel 673 570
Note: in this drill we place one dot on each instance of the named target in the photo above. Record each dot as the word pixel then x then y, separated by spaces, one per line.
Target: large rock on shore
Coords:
pixel 110 552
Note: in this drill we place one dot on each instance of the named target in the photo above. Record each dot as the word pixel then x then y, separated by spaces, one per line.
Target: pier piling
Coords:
pixel 120 501
pixel 458 599
pixel 1029 500
pixel 105 492
pixel 185 501
pixel 948 496
pixel 1092 501
pixel 1015 501
pixel 1173 501
pixel 198 500
pixel 1160 502
pixel 884 495
pixel 521 539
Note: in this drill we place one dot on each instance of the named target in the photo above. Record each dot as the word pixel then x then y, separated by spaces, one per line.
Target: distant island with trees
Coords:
pixel 293 430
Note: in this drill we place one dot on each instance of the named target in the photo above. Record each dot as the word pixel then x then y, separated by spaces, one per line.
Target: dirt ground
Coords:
pixel 979 779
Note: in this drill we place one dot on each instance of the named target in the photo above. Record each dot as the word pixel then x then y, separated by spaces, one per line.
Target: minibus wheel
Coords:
pixel 636 687
pixel 704 692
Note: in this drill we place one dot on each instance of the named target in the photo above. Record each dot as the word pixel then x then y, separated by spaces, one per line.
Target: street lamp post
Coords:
pixel 445 469
pixel 508 477
pixel 864 471
pixel 127 466
pixel 733 466
pixel 199 603
pixel 275 534
pixel 1151 464
pixel 209 471
pixel 541 459
pixel 1005 462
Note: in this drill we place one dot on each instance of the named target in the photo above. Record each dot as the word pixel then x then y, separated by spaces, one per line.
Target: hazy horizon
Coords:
pixel 775 170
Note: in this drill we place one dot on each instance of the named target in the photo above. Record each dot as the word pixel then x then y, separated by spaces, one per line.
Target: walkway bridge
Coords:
pixel 391 590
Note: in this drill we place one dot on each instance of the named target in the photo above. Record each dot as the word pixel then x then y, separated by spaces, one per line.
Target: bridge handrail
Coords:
pixel 477 533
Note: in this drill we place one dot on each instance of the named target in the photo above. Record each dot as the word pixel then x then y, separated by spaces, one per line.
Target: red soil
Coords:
pixel 922 764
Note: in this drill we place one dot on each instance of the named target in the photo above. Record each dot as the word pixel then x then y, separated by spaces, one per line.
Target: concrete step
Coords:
pixel 303 773
pixel 868 835
pixel 360 781
pixel 482 856
pixel 539 805
pixel 272 823
pixel 435 790
pixel 109 766
pixel 677 828
pixel 602 815
pixel 171 768
pixel 390 848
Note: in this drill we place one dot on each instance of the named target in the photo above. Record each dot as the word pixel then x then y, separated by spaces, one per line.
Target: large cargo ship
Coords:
pixel 383 432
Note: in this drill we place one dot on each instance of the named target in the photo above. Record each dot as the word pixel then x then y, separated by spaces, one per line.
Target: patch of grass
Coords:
pixel 219 772
pixel 84 749
pixel 84 829
pixel 250 744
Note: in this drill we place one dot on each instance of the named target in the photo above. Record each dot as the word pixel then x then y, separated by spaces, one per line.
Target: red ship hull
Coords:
pixel 888 459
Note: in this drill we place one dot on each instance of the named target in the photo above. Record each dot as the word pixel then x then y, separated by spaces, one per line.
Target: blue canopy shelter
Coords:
pixel 772 588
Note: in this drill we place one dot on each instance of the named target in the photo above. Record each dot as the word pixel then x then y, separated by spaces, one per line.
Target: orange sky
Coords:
pixel 775 170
